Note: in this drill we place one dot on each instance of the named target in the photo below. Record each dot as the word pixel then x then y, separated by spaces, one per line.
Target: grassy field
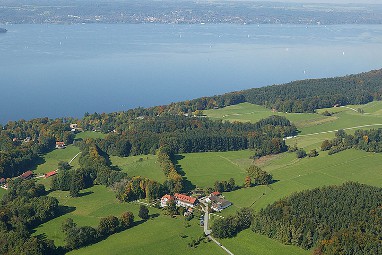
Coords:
pixel 307 123
pixel 145 166
pixel 203 169
pixel 51 159
pixel 90 134
pixel 159 235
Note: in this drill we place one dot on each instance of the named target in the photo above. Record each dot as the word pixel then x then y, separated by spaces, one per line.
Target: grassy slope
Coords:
pixel 147 167
pixel 52 158
pixel 157 236
pixel 306 122
pixel 203 169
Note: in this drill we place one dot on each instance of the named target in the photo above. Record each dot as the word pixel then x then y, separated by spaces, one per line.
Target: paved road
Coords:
pixel 207 231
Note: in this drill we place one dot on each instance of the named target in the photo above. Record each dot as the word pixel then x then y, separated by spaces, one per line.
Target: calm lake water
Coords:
pixel 67 70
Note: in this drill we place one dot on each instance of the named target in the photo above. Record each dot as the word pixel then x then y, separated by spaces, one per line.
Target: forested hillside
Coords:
pixel 342 219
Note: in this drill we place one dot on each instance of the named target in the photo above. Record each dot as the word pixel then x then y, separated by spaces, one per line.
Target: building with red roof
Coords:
pixel 165 199
pixel 27 175
pixel 180 200
pixel 49 174
pixel 184 200
pixel 215 193
pixel 60 145
pixel 2 180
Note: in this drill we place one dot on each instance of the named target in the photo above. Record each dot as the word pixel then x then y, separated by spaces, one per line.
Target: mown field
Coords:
pixel 145 166
pixel 161 235
pixel 307 123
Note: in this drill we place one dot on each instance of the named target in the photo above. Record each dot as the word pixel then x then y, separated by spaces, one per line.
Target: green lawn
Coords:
pixel 51 159
pixel 90 134
pixel 203 169
pixel 144 165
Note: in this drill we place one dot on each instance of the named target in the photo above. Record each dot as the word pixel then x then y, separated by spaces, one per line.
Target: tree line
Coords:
pixel 367 140
pixel 297 96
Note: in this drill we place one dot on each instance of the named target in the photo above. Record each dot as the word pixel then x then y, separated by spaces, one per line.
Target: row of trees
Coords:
pixel 342 219
pixel 232 224
pixel 174 182
pixel 367 140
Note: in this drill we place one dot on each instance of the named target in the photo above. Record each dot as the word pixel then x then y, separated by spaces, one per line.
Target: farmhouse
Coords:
pixel 218 203
pixel 2 181
pixel 180 200
pixel 60 145
pixel 49 174
pixel 164 199
pixel 27 175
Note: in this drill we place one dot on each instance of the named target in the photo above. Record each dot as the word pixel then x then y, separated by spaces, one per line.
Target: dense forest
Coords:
pixel 342 219
pixel 193 134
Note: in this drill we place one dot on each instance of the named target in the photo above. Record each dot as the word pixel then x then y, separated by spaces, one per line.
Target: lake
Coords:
pixel 67 70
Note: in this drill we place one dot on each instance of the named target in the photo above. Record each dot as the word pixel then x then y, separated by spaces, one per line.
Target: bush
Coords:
pixel 301 153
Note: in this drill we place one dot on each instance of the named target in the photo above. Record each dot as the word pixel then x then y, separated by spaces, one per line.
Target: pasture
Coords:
pixel 307 123
pixel 51 159
pixel 90 134
pixel 159 235
pixel 203 169
pixel 143 165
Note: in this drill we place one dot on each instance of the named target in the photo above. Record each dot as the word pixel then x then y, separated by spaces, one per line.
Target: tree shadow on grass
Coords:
pixel 187 185
pixel 39 161
pixel 82 194
pixel 63 209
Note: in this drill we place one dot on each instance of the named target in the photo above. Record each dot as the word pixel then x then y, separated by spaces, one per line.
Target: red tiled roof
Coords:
pixel 2 180
pixel 49 174
pixel 167 196
pixel 26 174
pixel 60 143
pixel 215 193
pixel 185 198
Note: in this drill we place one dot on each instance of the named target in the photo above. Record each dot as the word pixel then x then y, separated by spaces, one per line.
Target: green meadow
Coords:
pixel 51 159
pixel 144 165
pixel 307 123
pixel 90 134
pixel 160 234
pixel 203 169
